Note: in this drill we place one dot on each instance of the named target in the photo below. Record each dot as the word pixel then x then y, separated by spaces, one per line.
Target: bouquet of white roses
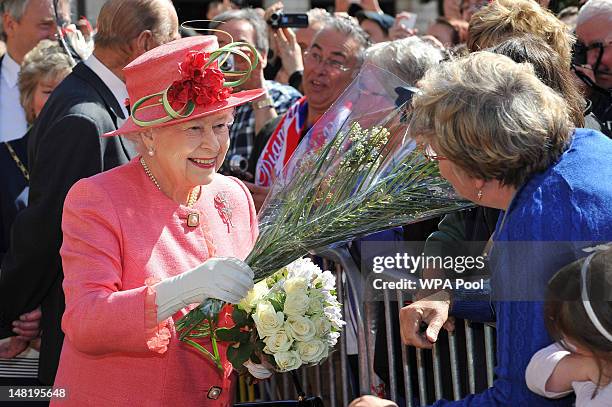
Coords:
pixel 289 319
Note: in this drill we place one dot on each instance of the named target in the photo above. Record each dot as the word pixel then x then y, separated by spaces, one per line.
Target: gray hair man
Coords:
pixel 23 24
pixel 331 62
pixel 65 146
pixel 594 30
pixel 248 26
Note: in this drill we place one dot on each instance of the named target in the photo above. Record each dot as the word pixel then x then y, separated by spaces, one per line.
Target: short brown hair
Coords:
pixel 120 21
pixel 548 68
pixel 491 117
pixel 502 19
pixel 47 60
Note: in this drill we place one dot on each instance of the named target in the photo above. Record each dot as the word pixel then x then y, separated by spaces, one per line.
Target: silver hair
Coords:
pixel 407 58
pixel 594 8
pixel 255 19
pixel 317 16
pixel 14 8
pixel 135 139
pixel 349 30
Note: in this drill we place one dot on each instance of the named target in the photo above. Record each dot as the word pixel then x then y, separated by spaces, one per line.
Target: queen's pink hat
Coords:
pixel 181 81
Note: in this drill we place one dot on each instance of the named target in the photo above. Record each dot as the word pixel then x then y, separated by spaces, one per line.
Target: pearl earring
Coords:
pixel 479 194
pixel 151 152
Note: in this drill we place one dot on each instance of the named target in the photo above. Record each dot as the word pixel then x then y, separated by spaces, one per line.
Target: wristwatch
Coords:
pixel 264 103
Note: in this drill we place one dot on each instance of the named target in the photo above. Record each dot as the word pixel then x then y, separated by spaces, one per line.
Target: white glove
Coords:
pixel 225 278
pixel 258 371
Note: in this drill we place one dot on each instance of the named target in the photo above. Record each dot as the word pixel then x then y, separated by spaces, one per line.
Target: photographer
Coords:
pixel 248 26
pixel 287 45
pixel 593 58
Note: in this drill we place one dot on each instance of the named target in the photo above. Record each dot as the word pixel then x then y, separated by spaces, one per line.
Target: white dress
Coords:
pixel 542 365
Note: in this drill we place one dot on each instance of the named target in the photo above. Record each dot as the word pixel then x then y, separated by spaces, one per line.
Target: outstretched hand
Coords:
pixel 433 311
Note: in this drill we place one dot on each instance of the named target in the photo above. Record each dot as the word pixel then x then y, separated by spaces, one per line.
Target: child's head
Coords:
pixel 579 306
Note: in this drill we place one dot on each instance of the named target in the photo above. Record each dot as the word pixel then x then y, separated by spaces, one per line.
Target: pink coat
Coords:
pixel 121 234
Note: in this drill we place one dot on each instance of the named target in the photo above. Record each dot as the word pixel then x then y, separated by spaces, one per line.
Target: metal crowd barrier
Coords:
pixel 459 364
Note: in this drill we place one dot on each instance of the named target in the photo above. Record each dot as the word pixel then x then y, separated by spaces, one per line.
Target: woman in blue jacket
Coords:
pixel 505 140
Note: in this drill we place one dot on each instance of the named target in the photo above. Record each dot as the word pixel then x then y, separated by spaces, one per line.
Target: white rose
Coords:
pixel 312 351
pixel 322 325
pixel 286 361
pixel 254 296
pixel 300 328
pixel 315 305
pixel 296 304
pixel 267 320
pixel 278 342
pixel 295 285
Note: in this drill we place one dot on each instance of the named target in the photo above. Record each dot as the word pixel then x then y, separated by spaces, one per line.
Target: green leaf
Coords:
pixel 240 317
pixel 232 335
pixel 276 304
pixel 237 356
pixel 227 334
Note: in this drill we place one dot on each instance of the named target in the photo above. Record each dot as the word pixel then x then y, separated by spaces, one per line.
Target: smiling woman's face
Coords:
pixel 190 153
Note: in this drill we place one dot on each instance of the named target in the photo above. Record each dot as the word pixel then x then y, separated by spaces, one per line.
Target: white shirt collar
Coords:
pixel 10 70
pixel 116 85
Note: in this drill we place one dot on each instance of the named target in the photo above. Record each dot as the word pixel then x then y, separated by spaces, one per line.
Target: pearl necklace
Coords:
pixel 193 219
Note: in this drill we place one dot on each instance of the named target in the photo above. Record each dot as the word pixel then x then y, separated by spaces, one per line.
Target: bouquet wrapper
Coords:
pixel 355 172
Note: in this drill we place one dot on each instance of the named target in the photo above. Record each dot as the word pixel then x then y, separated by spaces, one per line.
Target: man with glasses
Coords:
pixel 594 32
pixel 330 65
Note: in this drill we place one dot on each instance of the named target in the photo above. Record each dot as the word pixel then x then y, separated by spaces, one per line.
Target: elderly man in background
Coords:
pixel 594 31
pixel 248 26
pixel 65 146
pixel 24 24
pixel 330 65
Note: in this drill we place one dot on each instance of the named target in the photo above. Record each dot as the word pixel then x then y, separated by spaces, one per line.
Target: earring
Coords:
pixel 151 152
pixel 479 194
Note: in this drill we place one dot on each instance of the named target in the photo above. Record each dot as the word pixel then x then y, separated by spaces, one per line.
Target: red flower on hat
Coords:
pixel 200 85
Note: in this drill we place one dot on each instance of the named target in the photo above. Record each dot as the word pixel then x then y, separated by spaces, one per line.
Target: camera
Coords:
pixel 238 164
pixel 279 19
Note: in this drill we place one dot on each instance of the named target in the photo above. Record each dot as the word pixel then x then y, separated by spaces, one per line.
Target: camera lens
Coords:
pixel 238 164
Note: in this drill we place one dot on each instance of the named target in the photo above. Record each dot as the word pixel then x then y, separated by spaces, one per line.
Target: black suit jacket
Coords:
pixel 64 146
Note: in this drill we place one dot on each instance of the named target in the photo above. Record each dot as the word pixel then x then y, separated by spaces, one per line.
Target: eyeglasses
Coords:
pixel 595 50
pixel 330 63
pixel 429 153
